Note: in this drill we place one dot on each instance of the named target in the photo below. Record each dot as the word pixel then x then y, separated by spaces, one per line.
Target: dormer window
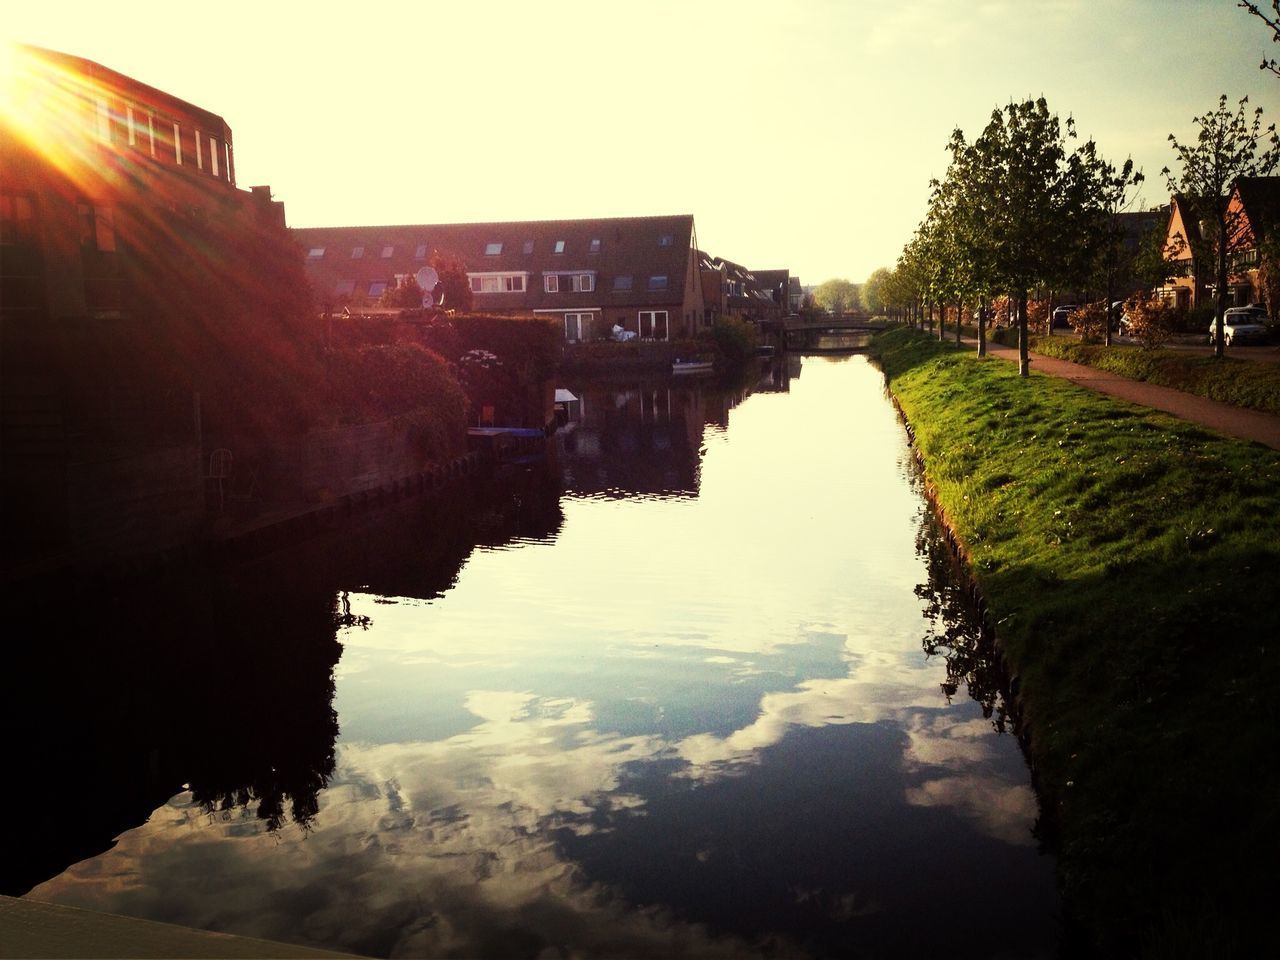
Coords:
pixel 493 248
pixel 658 282
pixel 315 253
pixel 357 253
pixel 559 247
pixel 665 240
pixel 387 251
pixel 595 246
pixel 527 248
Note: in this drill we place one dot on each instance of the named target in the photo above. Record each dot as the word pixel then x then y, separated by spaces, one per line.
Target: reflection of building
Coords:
pixel 638 273
pixel 638 437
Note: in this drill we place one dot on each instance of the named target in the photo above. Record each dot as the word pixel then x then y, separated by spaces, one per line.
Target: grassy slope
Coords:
pixel 1129 562
pixel 1244 383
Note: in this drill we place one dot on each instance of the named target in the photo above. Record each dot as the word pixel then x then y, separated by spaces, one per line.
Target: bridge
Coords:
pixel 799 333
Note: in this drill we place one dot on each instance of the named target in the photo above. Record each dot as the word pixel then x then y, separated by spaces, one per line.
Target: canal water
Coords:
pixel 697 686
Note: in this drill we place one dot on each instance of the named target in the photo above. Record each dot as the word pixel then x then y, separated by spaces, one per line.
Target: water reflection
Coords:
pixel 215 680
pixel 666 725
pixel 956 631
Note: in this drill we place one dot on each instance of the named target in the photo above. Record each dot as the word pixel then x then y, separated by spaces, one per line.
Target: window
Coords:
pixel 213 157
pixel 387 251
pixel 344 288
pixel 315 253
pixel 622 283
pixel 420 252
pixel 129 124
pixel 595 245
pixel 528 247
pixel 199 152
pixel 664 240
pixel 493 248
pixel 574 324
pixel 497 282
pixel 177 143
pixel 569 282
pixel 17 219
pixel 377 288
pixel 653 324
pixel 357 253
pixel 104 122
pixel 658 282
pixel 227 147
pixel 151 132
pixel 97 228
pixel 559 247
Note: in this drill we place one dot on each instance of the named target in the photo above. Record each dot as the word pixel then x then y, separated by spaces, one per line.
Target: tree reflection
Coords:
pixel 216 677
pixel 956 628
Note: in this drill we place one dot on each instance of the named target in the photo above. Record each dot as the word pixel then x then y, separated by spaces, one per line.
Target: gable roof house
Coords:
pixel 1187 252
pixel 1253 213
pixel 637 273
pixel 733 290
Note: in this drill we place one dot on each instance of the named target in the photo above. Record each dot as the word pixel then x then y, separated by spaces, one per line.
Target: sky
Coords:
pixel 800 134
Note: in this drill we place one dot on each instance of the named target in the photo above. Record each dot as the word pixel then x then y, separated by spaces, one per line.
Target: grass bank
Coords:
pixel 1129 563
pixel 1241 382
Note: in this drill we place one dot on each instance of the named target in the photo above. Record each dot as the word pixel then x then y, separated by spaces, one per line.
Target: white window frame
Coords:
pixel 387 251
pixel 213 156
pixel 199 151
pixel 315 253
pixel 177 143
pixel 559 247
pixel 515 281
pixel 652 317
pixel 579 320
pixel 551 283
pixel 133 130
pixel 493 248
pixel 151 132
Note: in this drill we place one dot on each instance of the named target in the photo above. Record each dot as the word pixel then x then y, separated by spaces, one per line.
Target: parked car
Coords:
pixel 1242 325
pixel 1062 314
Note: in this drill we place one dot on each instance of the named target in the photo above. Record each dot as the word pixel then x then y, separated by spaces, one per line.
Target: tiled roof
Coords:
pixel 611 250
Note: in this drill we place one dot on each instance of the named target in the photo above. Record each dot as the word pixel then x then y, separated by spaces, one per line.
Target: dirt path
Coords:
pixel 1223 417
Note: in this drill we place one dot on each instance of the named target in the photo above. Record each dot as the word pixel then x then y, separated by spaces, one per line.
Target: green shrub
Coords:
pixel 735 339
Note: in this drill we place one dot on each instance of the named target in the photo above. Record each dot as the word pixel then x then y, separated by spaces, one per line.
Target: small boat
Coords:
pixel 693 366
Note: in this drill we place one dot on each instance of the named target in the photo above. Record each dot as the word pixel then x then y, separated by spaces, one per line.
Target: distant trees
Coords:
pixel 1229 145
pixel 837 296
pixel 873 291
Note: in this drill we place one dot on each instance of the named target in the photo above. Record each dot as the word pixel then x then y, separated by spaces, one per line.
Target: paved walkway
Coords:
pixel 1223 417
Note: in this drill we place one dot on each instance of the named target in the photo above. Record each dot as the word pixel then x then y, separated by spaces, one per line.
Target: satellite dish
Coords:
pixel 427 279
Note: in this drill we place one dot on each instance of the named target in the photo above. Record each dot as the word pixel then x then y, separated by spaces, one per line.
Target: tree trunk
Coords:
pixel 1110 297
pixel 1024 359
pixel 982 329
pixel 1048 316
pixel 1220 295
pixel 959 317
pixel 942 322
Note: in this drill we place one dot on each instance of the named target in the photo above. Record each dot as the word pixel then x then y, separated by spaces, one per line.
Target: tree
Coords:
pixel 1229 145
pixel 1268 64
pixel 873 290
pixel 454 286
pixel 1024 209
pixel 837 296
pixel 1108 192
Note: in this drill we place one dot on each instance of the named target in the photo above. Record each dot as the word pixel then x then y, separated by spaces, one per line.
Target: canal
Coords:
pixel 699 685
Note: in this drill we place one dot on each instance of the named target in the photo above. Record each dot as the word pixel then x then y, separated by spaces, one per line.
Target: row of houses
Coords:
pixel 599 278
pixel 1253 215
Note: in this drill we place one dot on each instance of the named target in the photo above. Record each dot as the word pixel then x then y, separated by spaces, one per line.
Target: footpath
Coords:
pixel 1223 417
